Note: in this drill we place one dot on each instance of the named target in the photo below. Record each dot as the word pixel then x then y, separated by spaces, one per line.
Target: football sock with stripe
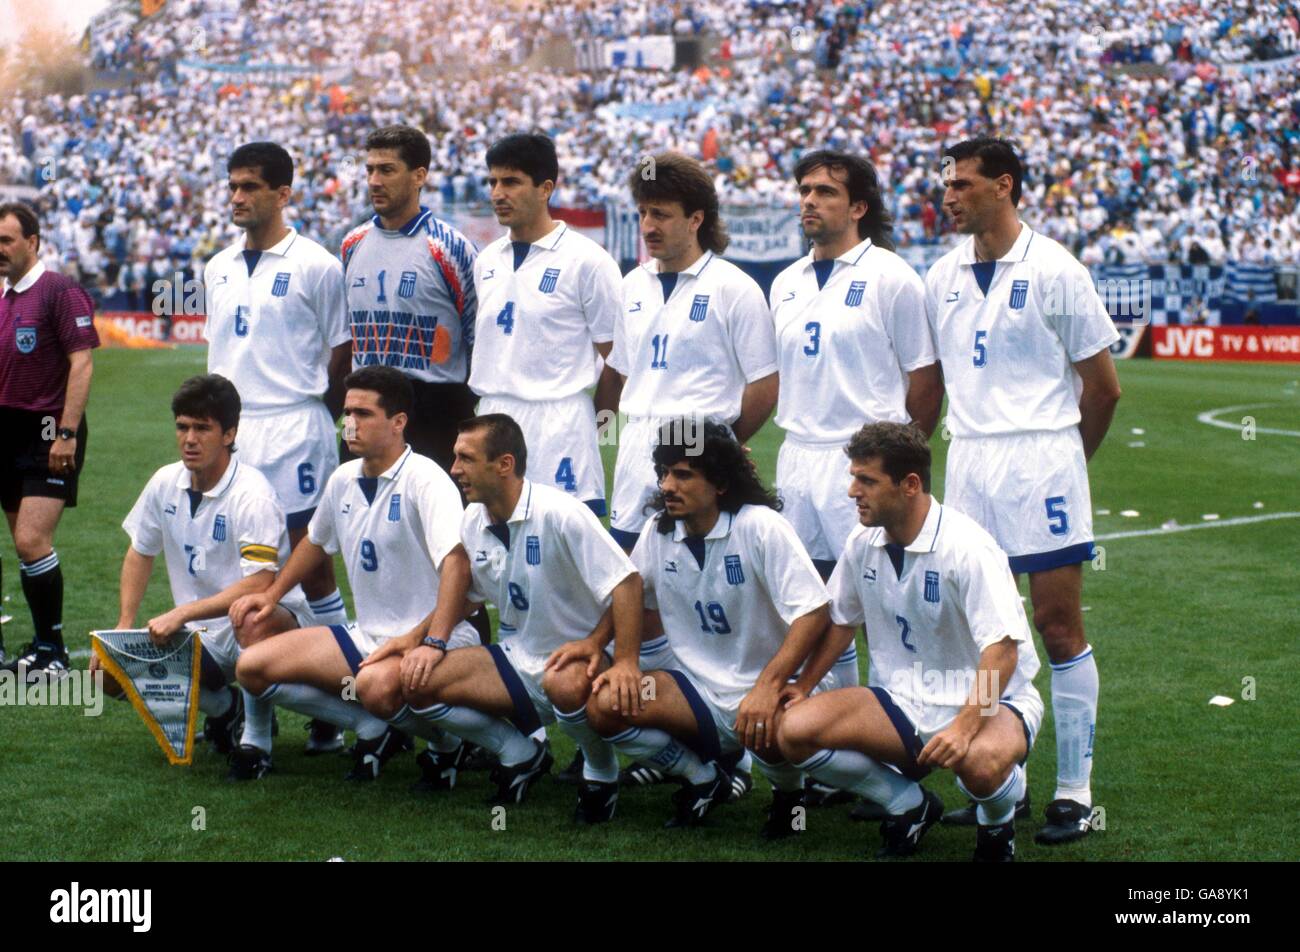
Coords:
pixel 600 762
pixel 439 740
pixel 783 776
pixel 43 588
pixel 1000 805
pixel 491 733
pixel 257 721
pixel 659 749
pixel 329 609
pixel 316 703
pixel 1074 705
pixel 865 776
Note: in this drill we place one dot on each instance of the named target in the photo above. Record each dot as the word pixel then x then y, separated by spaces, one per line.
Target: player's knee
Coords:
pixel 31 545
pixel 380 692
pixel 568 688
pixel 601 717
pixel 250 672
pixel 1061 629
pixel 795 734
pixel 980 776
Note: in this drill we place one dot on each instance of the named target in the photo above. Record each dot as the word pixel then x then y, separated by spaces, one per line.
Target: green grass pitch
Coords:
pixel 1175 619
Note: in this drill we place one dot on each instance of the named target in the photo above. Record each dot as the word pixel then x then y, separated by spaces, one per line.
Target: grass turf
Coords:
pixel 1174 618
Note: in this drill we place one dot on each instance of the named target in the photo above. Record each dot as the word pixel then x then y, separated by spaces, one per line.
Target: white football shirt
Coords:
pixel 537 326
pixel 292 304
pixel 236 531
pixel 927 627
pixel 393 543
pixel 1008 355
pixel 727 618
pixel 694 353
pixel 553 580
pixel 845 350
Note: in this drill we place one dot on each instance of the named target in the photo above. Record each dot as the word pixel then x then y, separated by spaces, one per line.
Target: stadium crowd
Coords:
pixel 1143 143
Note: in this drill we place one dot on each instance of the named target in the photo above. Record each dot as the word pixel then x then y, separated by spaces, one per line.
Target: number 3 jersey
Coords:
pixel 727 601
pixel 393 530
pixel 210 540
pixel 410 296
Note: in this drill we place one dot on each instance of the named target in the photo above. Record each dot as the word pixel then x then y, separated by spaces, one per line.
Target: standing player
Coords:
pixel 393 515
pixel 410 291
pixel 219 524
pixel 277 327
pixel 553 572
pixel 547 299
pixel 952 659
pixel 47 332
pixel 742 606
pixel 693 337
pixel 1024 342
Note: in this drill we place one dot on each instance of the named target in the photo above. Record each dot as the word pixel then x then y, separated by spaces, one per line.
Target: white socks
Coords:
pixel 1074 705
pixel 214 703
pixel 782 776
pixel 257 721
pixel 600 762
pixel 999 806
pixel 658 749
pixel 491 733
pixel 440 741
pixel 316 703
pixel 329 609
pixel 865 776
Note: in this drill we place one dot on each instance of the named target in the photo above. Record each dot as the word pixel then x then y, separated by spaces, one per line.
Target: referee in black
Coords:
pixel 47 332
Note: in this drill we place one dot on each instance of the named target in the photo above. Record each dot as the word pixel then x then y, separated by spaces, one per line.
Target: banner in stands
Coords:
pixel 1276 344
pixel 272 74
pixel 145 329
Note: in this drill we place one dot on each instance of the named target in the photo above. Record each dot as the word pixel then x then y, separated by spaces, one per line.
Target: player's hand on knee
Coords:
pixel 417 667
pixel 756 717
pixel 946 748
pixel 258 604
pixel 583 651
pixel 624 681
pixel 392 648
pixel 791 695
pixel 165 625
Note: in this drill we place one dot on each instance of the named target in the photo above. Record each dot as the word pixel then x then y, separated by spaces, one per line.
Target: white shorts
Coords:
pixel 656 654
pixel 1026 702
pixel 562 444
pixel 357 644
pixel 1029 491
pixel 296 449
pixel 218 636
pixel 813 481
pixel 529 667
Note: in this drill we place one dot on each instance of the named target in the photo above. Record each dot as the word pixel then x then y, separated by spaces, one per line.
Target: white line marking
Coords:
pixel 1239 521
pixel 1209 417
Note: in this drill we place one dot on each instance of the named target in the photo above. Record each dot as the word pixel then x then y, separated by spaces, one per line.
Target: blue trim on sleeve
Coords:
pixel 1044 561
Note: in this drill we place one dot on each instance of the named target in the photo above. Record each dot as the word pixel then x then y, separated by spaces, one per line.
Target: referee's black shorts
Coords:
pixel 25 441
pixel 431 429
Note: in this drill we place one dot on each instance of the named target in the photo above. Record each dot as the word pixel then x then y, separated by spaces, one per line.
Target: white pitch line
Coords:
pixel 1209 417
pixel 1218 524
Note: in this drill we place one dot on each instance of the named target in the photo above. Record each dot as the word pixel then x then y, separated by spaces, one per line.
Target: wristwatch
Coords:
pixel 64 433
pixel 433 642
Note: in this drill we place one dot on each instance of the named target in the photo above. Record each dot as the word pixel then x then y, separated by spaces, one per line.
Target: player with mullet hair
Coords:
pixel 547 300
pixel 271 293
pixel 218 523
pixel 937 599
pixel 392 514
pixel 730 585
pixel 1025 341
pixel 563 588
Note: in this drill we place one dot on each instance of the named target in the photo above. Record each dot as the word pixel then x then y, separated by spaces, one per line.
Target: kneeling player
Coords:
pixel 221 529
pixel 393 514
pixel 553 571
pixel 952 659
pixel 742 607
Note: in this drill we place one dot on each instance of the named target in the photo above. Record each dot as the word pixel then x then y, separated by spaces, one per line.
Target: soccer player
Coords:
pixel 730 585
pixel 47 332
pixel 218 522
pixel 547 300
pixel 952 658
pixel 393 514
pixel 1024 343
pixel 554 573
pixel 410 291
pixel 277 327
pixel 693 337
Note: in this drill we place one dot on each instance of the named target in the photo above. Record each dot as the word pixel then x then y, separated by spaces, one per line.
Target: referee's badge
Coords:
pixel 1019 292
pixel 406 287
pixel 549 278
pixel 25 338
pixel 281 286
pixel 533 550
pixel 854 297
pixel 395 508
pixel 700 308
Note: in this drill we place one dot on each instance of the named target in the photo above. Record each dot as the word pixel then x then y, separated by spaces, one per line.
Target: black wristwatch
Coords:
pixel 433 642
pixel 64 433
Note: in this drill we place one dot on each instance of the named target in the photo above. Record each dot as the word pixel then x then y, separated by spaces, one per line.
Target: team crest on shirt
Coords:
pixel 700 308
pixel 25 338
pixel 219 529
pixel 281 286
pixel 854 296
pixel 1019 292
pixel 735 573
pixel 406 286
pixel 549 277
pixel 932 587
pixel 533 550
pixel 395 508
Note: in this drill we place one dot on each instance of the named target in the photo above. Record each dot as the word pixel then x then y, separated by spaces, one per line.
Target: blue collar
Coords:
pixel 411 226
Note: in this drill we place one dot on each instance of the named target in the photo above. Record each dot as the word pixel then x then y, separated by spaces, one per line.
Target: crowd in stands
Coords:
pixel 1161 130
